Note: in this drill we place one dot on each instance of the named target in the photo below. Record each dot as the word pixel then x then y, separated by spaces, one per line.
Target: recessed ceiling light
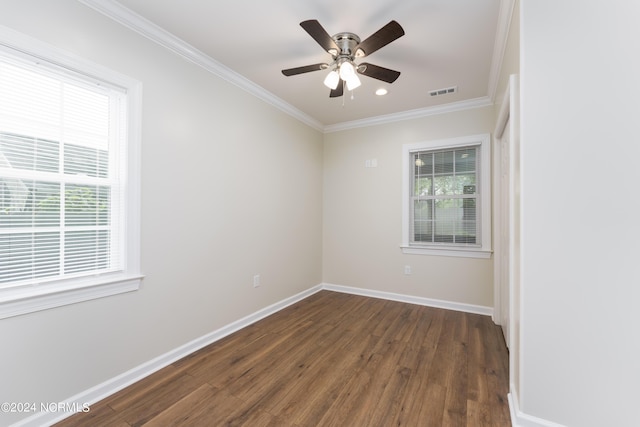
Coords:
pixel 381 91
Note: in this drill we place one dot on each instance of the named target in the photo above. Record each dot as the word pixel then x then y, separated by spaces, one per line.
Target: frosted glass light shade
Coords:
pixel 346 71
pixel 353 82
pixel 332 79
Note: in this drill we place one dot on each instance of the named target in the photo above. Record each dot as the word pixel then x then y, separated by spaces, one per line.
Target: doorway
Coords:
pixel 507 215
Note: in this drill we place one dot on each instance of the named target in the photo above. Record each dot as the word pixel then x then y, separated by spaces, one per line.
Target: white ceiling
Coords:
pixel 446 43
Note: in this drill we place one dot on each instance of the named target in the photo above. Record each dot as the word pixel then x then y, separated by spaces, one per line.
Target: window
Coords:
pixel 68 180
pixel 446 197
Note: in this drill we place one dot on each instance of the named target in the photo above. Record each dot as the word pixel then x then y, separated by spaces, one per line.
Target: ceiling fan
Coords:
pixel 344 48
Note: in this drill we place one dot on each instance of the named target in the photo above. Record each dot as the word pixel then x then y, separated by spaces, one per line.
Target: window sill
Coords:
pixel 447 251
pixel 23 300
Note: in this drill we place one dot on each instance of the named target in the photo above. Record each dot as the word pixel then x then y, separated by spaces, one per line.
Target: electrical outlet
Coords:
pixel 256 280
pixel 407 270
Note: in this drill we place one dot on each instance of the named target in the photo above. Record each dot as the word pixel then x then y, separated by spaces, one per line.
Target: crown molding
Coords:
pixel 500 45
pixel 484 101
pixel 126 17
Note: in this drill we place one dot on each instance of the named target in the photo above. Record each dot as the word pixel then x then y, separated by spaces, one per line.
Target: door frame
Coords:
pixel 509 113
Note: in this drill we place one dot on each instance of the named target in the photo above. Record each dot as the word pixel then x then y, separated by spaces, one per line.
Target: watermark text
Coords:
pixel 25 407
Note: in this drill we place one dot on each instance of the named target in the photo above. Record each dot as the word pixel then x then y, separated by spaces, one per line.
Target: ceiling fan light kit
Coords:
pixel 344 48
pixel 353 82
pixel 332 80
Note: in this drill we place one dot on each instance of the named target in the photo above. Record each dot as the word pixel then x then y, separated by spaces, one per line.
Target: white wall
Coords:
pixel 231 187
pixel 363 213
pixel 580 145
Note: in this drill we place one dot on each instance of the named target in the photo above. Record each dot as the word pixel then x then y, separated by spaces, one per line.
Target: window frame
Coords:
pixel 23 299
pixel 481 249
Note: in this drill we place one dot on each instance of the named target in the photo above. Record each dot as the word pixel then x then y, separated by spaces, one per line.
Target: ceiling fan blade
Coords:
pixel 377 72
pixel 305 69
pixel 338 91
pixel 380 38
pixel 320 35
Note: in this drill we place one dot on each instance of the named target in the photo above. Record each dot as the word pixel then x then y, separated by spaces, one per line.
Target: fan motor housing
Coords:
pixel 347 43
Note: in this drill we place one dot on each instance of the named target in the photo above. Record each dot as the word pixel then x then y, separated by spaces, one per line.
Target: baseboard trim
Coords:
pixel 113 385
pixel 109 387
pixel 520 419
pixel 448 305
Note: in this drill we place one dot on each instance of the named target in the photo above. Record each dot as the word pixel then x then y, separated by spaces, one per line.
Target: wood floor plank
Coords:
pixel 274 373
pixel 308 384
pixel 351 406
pixel 478 414
pixel 439 371
pixel 140 388
pixel 205 406
pixel 421 324
pixel 431 413
pixel 231 342
pixel 381 379
pixel 363 319
pixel 389 405
pixel 417 388
pixel 222 370
pixel 477 381
pixel 338 368
pixel 456 397
pixel 330 360
pixel 496 371
pixel 98 415
pixel 148 397
pixel 387 316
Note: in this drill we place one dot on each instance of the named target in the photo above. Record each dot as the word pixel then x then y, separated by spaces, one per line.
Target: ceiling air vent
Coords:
pixel 445 91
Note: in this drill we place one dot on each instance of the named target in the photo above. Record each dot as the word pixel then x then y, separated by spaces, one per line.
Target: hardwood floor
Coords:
pixel 330 360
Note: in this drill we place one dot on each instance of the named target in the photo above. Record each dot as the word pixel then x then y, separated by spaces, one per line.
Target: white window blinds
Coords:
pixel 62 151
pixel 444 196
